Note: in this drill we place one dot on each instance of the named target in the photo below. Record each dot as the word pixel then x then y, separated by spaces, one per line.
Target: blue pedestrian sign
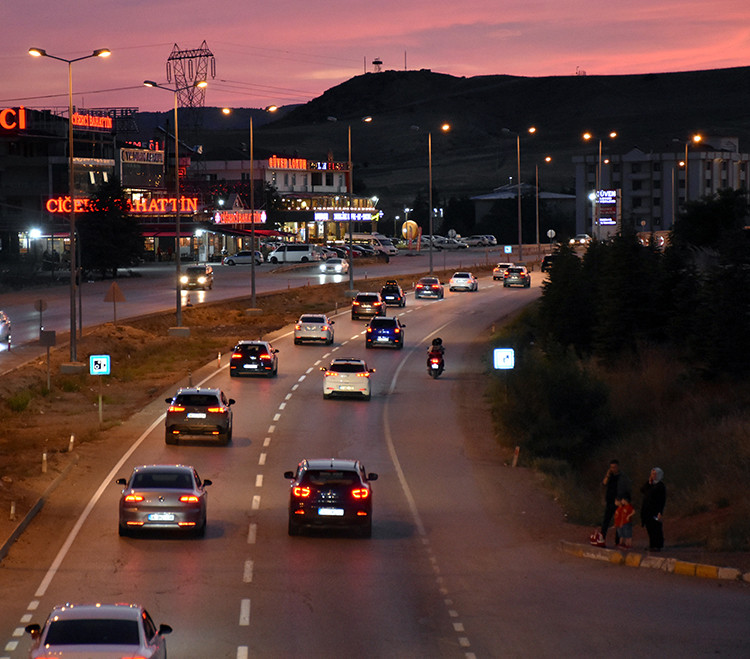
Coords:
pixel 503 358
pixel 99 364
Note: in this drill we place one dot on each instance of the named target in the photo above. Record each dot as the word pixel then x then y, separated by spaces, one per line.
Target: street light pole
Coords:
pixel 252 217
pixel 538 244
pixel 596 209
pixel 101 52
pixel 445 128
pixel 177 229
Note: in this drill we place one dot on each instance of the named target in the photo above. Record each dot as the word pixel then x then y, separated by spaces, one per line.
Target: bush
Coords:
pixel 19 401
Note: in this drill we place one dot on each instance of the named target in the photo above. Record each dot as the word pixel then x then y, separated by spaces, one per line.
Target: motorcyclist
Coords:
pixel 436 349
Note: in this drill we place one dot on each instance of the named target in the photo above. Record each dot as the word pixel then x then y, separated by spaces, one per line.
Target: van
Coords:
pixel 378 242
pixel 295 253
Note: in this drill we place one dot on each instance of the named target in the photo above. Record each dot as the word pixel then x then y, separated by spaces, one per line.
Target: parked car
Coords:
pixel 518 275
pixel 547 261
pixel 243 258
pixel 294 253
pixel 499 270
pixel 428 287
pixel 163 497
pixel 451 243
pixel 196 411
pixel 385 331
pixel 463 281
pixel 491 240
pixel 367 304
pixel 313 327
pixel 347 377
pixel 330 493
pixel 254 358
pixel 334 266
pixel 102 630
pixel 393 294
pixel 5 327
pixel 476 241
pixel 198 276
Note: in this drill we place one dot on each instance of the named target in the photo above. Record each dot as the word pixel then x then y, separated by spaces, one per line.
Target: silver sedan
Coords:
pixel 313 327
pixel 164 497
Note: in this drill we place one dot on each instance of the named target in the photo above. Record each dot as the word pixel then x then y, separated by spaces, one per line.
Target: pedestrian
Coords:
pixel 652 511
pixel 624 521
pixel 616 485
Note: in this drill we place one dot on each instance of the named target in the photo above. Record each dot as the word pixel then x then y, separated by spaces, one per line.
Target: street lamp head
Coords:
pixel 201 84
pixel 367 119
pixel 697 138
pixel 547 158
pixel 37 52
pixel 532 129
pixel 445 127
pixel 613 134
pixel 150 83
pixel 102 52
pixel 272 108
pixel 587 136
pixel 226 110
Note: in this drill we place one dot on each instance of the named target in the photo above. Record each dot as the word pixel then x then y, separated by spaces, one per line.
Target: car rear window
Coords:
pixel 93 632
pixel 515 271
pixel 175 481
pixel 462 275
pixel 312 319
pixel 196 400
pixel 346 368
pixel 251 351
pixel 379 323
pixel 330 477
pixel 428 281
pixel 367 298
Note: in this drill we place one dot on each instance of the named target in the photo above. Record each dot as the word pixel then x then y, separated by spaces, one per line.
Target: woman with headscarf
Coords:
pixel 652 510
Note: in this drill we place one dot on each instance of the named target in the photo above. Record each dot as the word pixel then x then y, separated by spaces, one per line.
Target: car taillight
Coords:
pixel 301 492
pixel 361 492
pixel 216 410
pixel 434 287
pixel 355 303
pixel 397 330
pixel 176 408
pixel 189 498
pixel 265 356
pixel 236 355
pixel 369 330
pixel 363 375
pixel 133 498
pixel 325 328
pixel 298 327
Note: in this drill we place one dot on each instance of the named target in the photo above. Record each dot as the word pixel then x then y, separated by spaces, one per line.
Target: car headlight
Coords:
pixel 201 280
pixel 184 279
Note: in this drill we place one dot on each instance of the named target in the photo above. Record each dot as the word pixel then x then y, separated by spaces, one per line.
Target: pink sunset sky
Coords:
pixel 290 52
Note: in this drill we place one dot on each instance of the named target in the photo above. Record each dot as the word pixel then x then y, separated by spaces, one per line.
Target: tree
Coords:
pixel 109 237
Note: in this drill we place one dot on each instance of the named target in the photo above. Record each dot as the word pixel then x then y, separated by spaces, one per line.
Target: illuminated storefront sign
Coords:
pixel 142 156
pixel 609 207
pixel 239 217
pixel 275 162
pixel 155 206
pixel 92 121
pixel 342 216
pixel 329 166
pixel 13 118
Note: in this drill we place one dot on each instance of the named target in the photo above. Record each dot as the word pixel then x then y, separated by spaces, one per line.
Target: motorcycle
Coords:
pixel 435 364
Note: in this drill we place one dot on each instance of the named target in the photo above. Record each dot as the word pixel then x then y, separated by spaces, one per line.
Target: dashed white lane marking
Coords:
pixel 309 370
pixel 262 459
pixel 271 429
pixel 255 505
pixel 294 388
pixel 247 573
pixel 301 378
pixel 252 534
pixel 266 442
pixel 242 652
pixel 259 480
pixel 335 349
pixel 276 416
pixel 244 613
pixel 288 396
pixel 282 406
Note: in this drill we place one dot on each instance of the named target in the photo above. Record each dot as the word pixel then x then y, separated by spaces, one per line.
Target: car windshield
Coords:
pixel 379 323
pixel 93 632
pixel 194 270
pixel 329 477
pixel 347 367
pixel 196 400
pixel 167 480
pixel 312 319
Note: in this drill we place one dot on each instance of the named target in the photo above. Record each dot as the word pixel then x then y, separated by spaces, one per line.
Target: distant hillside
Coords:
pixel 390 154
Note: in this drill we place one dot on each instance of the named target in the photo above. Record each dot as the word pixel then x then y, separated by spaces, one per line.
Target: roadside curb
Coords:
pixel 636 559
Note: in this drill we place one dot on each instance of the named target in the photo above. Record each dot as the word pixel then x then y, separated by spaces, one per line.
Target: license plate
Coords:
pixel 435 366
pixel 346 387
pixel 250 366
pixel 196 415
pixel 383 339
pixel 331 512
pixel 161 517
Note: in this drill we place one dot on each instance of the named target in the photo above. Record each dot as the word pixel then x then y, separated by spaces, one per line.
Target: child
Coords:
pixel 624 521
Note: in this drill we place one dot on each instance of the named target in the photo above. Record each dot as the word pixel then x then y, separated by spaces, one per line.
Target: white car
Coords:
pixel 347 377
pixel 491 240
pixel 101 630
pixel 335 266
pixel 463 281
pixel 451 243
pixel 499 270
pixel 4 327
pixel 243 258
pixel 581 239
pixel 313 327
pixel 476 241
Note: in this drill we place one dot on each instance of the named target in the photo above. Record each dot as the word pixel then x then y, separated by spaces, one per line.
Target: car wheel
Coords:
pixel 275 372
pixel 169 438
pixel 366 530
pixel 304 259
pixel 123 531
pixel 368 345
pixel 367 396
pixel 400 346
pixel 274 260
pixel 505 285
pixel 327 396
pixel 354 317
pixel 200 530
pixel 230 262
pixel 297 342
pixel 293 528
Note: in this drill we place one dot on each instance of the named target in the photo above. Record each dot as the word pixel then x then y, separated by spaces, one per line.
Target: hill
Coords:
pixel 656 111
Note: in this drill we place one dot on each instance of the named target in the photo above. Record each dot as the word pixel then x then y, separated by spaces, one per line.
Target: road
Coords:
pixel 454 567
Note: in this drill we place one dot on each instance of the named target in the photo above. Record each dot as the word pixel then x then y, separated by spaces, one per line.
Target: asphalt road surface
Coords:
pixel 453 569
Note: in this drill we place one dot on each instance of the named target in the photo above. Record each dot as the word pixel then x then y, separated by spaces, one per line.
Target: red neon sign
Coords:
pixel 275 162
pixel 160 205
pixel 13 118
pixel 92 121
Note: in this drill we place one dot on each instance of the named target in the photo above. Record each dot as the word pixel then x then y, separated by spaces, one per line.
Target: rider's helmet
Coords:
pixel 437 341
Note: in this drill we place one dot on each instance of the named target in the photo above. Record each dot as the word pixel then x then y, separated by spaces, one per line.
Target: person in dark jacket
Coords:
pixel 616 485
pixel 652 511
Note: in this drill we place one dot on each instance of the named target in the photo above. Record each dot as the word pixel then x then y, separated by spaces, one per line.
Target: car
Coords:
pixel 476 241
pixel 548 261
pixel 330 493
pixel 580 239
pixel 365 250
pixel 385 331
pixel 451 243
pixel 334 266
pixel 499 270
pixel 163 497
pixel 197 411
pixel 101 630
pixel 463 281
pixel 491 240
pixel 313 327
pixel 393 294
pixel 517 275
pixel 367 304
pixel 254 358
pixel 5 327
pixel 347 377
pixel 429 287
pixel 198 276
pixel 243 258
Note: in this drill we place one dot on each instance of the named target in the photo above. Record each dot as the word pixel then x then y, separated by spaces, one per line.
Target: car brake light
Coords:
pixel 325 328
pixel 355 303
pixel 265 356
pixel 397 330
pixel 360 492
pixel 189 498
pixel 298 327
pixel 176 408
pixel 369 330
pixel 363 375
pixel 216 410
pixel 236 355
pixel 301 492
pixel 132 498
